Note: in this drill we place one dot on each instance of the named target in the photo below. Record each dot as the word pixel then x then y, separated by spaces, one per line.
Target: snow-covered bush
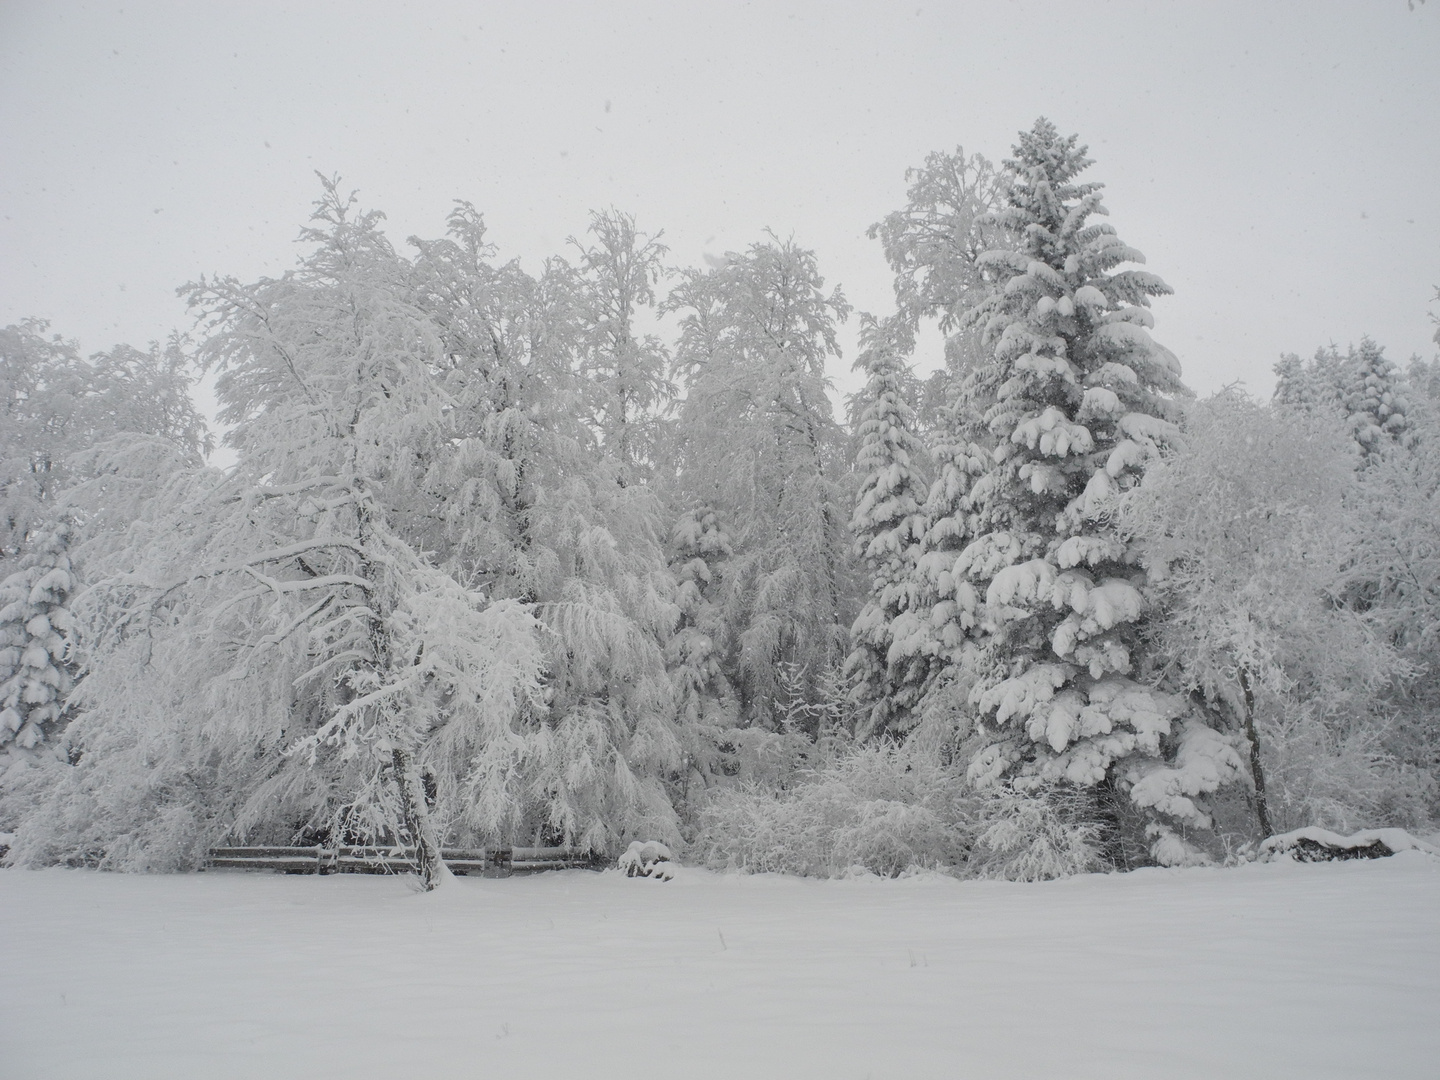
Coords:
pixel 885 809
pixel 882 808
pixel 1034 835
pixel 1342 780
pixel 647 858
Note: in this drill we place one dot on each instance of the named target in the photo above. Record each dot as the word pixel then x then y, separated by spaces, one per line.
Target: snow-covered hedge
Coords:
pixel 887 810
pixel 1342 780
pixel 880 809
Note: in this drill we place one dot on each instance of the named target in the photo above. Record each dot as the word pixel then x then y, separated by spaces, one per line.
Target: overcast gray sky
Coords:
pixel 1278 163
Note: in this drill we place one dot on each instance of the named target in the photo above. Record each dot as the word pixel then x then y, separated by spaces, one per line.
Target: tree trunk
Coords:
pixel 428 862
pixel 413 807
pixel 1257 770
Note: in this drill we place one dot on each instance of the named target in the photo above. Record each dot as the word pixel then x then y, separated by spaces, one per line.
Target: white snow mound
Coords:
pixel 647 858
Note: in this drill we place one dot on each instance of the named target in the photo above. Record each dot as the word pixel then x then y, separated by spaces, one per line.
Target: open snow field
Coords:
pixel 1265 971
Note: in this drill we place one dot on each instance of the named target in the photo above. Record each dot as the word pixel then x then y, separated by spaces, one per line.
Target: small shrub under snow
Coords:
pixel 887 810
pixel 880 808
pixel 648 858
pixel 1034 836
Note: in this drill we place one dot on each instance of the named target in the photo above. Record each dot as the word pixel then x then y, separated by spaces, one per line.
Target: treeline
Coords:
pixel 583 555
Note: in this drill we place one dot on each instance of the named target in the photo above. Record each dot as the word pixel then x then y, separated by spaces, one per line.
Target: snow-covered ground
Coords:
pixel 1267 971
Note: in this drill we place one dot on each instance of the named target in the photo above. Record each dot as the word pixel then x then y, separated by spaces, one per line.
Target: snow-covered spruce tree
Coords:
pixel 37 664
pixel 933 639
pixel 706 703
pixel 1078 399
pixel 758 442
pixel 1362 385
pixel 933 246
pixel 1310 385
pixel 536 506
pixel 887 524
pixel 1374 401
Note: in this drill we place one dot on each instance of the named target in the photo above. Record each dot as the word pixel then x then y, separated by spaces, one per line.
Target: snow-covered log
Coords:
pixel 1313 844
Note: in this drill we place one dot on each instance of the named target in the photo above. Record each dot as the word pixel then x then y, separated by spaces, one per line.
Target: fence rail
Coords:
pixel 486 862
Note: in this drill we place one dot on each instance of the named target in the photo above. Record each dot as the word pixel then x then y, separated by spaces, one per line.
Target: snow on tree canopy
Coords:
pixel 758 442
pixel 425 571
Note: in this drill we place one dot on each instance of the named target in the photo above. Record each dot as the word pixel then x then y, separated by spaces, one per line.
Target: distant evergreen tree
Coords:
pixel 1362 385
pixel 1309 385
pixel 1374 401
pixel 887 523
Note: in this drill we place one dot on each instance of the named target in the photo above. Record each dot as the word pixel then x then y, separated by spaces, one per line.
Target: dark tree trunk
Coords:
pixel 1257 770
pixel 428 862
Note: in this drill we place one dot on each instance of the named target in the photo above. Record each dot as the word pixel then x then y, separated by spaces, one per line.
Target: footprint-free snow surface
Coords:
pixel 1267 971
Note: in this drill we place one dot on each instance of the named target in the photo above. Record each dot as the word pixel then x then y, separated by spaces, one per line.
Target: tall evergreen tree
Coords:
pixel 933 640
pixel 1077 398
pixel 697 654
pixel 934 246
pixel 887 524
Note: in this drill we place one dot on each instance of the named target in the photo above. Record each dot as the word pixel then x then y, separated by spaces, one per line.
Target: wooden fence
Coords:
pixel 485 862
